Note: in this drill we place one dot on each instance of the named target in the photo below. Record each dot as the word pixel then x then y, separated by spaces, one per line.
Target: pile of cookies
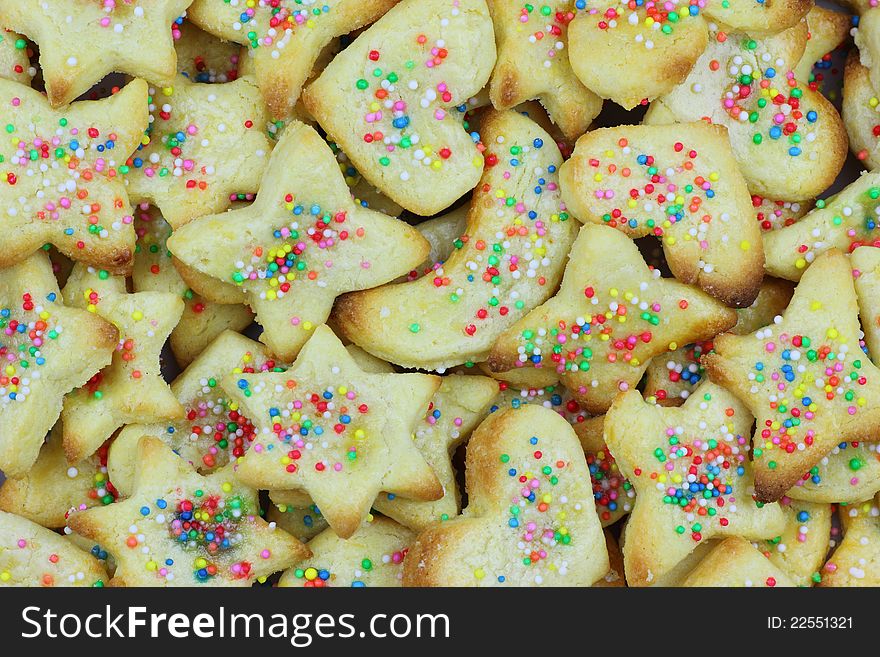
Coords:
pixel 439 293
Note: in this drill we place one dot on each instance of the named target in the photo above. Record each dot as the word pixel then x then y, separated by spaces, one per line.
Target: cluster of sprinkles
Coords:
pixel 545 26
pixel 68 161
pixel 396 104
pixel 315 576
pixel 214 432
pixel 652 192
pixel 301 248
pixel 698 475
pixel 539 516
pixel 805 376
pixel 775 214
pixel 658 18
pixel 102 490
pixel 205 526
pixel 320 430
pixel 270 24
pixel 500 266
pixel 762 91
pixel 26 325
pixel 206 70
pixel 684 371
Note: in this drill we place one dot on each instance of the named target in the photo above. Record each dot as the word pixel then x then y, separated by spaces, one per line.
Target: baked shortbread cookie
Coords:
pixel 211 432
pixel 46 350
pixel 827 29
pixel 387 100
pixel 735 563
pixel 803 377
pixel 867 37
pixel 204 144
pixel 533 62
pixel 866 276
pixel 776 214
pixel 301 522
pixel 81 42
pixel 846 221
pixel 860 112
pixel 457 407
pixel 530 519
pixel 62 184
pixel 672 381
pixel 302 243
pixel 611 315
pixel 788 139
pixel 362 191
pixel 849 473
pixel 130 388
pixel 680 183
pixel 801 549
pixel 31 555
pixel 179 528
pixel 856 561
pixel 15 62
pixel 509 260
pixel 284 39
pixel 337 433
pixel 693 478
pixel 372 556
pixel 52 487
pixel 203 57
pixel 202 321
pixel 441 233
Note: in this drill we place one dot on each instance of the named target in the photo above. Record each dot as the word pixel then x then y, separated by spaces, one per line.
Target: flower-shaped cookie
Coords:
pixel 803 377
pixel 372 556
pixel 204 144
pixel 682 184
pixel 338 433
pixel 284 38
pixel 533 62
pixel 46 350
pixel 81 42
pixel 388 100
pixel 788 139
pixel 202 320
pixel 608 320
pixel 509 260
pixel 31 555
pixel 179 528
pixel 62 180
pixel 693 478
pixel 303 242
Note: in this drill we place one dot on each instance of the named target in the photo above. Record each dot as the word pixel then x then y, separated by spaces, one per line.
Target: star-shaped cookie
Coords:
pixel 856 561
pixel 671 379
pixel 788 139
pixel 533 62
pixel 303 242
pixel 15 62
pixel 205 143
pixel 530 519
pixel 31 555
pixel 693 477
pixel 52 487
pixel 388 100
pixel 801 549
pixel 284 38
pixel 130 388
pixel 509 260
pixel 845 221
pixel 81 42
pixel 608 320
pixel 735 563
pixel 803 377
pixel 46 350
pixel 211 432
pixel 179 528
pixel 61 170
pixel 680 183
pixel 336 432
pixel 202 320
pixel 372 556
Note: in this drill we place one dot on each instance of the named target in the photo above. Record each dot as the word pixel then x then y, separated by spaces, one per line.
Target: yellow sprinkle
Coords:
pixel 168 91
pixel 479 573
pixel 745 245
pixel 227 487
pixel 137 315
